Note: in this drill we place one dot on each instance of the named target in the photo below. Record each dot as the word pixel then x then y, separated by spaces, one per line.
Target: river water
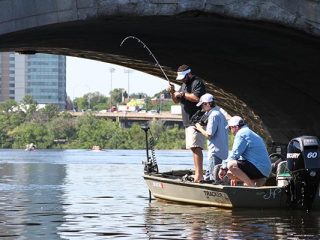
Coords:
pixel 80 194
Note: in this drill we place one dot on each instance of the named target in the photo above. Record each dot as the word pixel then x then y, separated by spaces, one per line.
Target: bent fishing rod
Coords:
pixel 150 53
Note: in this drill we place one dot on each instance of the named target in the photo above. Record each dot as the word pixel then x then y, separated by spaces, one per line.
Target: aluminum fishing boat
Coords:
pixel 294 183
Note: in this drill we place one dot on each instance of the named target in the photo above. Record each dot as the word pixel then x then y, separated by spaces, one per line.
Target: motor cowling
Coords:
pixel 303 160
pixel 303 153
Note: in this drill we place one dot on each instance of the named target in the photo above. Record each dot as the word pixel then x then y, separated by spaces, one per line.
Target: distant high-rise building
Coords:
pixel 42 76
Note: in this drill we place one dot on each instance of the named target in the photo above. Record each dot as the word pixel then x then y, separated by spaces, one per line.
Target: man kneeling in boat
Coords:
pixel 248 160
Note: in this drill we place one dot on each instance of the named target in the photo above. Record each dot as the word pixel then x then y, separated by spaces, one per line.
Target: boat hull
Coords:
pixel 208 194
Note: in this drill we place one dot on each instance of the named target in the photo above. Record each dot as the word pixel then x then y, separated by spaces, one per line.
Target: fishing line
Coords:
pixel 150 53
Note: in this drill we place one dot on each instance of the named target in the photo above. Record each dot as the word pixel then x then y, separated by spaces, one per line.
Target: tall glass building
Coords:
pixel 43 76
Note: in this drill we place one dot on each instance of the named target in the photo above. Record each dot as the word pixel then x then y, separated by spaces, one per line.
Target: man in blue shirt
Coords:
pixel 215 131
pixel 248 160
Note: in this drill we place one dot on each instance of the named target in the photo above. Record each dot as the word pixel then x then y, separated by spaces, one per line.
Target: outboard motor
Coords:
pixel 303 160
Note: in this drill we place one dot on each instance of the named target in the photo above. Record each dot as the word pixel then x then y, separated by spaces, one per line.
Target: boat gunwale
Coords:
pixel 176 181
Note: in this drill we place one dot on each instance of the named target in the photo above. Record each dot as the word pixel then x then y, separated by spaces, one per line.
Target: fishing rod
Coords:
pixel 150 53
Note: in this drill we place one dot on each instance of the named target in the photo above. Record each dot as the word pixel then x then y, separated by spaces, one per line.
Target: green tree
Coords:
pixel 80 104
pixel 30 107
pixel 136 137
pixel 173 138
pixel 15 119
pixel 8 106
pixel 97 101
pixel 116 96
pixel 48 112
pixel 28 100
pixel 63 127
pixel 31 133
pixel 3 132
pixel 92 131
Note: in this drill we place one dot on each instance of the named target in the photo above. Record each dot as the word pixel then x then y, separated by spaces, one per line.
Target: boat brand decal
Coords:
pixel 308 142
pixel 213 194
pixel 293 155
pixel 312 155
pixel 157 184
pixel 272 193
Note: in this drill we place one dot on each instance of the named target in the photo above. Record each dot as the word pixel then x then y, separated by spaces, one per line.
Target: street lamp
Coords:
pixel 89 95
pixel 73 92
pixel 128 71
pixel 111 72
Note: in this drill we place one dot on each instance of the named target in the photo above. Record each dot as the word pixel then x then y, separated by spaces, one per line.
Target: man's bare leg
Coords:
pixel 198 163
pixel 233 168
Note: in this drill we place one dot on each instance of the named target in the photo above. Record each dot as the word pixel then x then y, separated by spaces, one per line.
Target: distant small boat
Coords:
pixel 30 147
pixel 96 148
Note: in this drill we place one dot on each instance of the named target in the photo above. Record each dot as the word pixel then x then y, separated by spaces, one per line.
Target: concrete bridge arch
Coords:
pixel 260 59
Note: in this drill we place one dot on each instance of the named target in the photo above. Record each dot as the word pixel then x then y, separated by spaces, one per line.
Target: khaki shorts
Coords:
pixel 194 138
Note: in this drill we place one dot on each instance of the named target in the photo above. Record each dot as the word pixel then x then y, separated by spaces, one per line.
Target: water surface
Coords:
pixel 80 194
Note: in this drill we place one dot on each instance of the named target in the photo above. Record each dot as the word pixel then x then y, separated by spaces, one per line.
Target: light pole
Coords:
pixel 161 99
pixel 111 72
pixel 128 71
pixel 89 95
pixel 73 92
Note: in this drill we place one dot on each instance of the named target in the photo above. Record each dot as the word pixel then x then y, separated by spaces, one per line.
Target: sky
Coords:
pixel 85 76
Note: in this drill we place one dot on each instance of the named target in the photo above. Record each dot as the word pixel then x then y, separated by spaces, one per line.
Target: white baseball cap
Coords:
pixel 205 98
pixel 235 121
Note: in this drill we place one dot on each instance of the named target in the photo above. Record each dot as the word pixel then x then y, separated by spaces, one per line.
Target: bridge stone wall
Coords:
pixel 17 15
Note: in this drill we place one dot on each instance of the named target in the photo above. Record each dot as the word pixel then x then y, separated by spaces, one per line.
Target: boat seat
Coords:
pixel 279 169
pixel 282 168
pixel 283 174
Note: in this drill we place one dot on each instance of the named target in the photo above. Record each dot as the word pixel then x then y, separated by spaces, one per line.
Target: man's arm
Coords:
pixel 191 97
pixel 200 128
pixel 239 146
pixel 177 96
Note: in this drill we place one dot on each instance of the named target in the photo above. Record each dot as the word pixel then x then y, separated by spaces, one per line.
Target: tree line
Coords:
pixel 25 123
pixel 96 101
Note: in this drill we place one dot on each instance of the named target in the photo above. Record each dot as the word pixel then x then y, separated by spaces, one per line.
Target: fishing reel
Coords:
pixel 199 117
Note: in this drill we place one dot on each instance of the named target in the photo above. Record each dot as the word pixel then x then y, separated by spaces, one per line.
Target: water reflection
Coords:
pixel 184 221
pixel 164 219
pixel 30 199
pixel 100 201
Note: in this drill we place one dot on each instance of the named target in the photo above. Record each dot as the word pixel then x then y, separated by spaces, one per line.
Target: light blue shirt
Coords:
pixel 216 128
pixel 250 146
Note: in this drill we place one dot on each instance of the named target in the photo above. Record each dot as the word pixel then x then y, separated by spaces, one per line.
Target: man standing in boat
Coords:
pixel 216 133
pixel 248 160
pixel 188 96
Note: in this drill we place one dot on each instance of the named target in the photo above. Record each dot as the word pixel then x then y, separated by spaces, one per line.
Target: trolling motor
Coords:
pixel 150 166
pixel 303 160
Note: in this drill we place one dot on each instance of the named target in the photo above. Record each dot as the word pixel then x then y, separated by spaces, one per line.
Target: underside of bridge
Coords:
pixel 266 73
